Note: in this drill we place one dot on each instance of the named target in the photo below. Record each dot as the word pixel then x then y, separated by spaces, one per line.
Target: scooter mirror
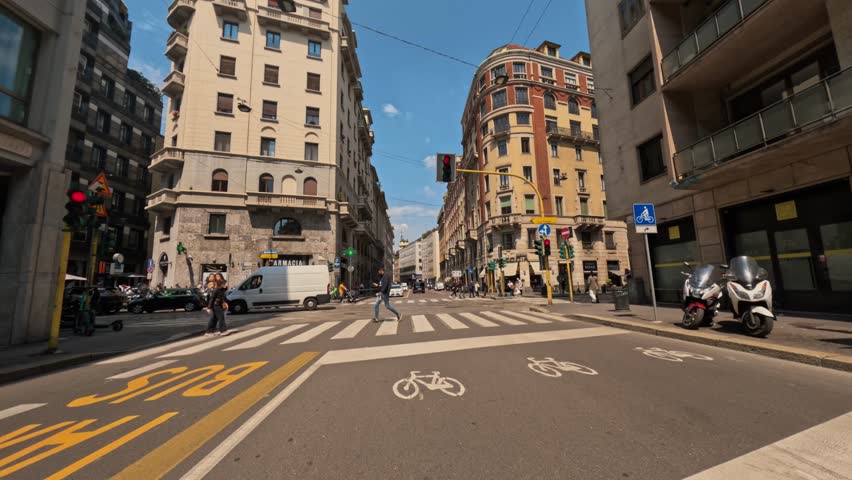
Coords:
pixel 724 265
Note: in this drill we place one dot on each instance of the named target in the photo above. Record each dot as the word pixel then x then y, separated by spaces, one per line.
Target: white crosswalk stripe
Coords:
pixel 310 334
pixel 411 301
pixel 351 330
pixel 478 320
pixel 421 324
pixel 450 321
pixel 433 300
pixel 264 339
pixel 526 316
pixel 218 342
pixel 501 318
pixel 550 316
pixel 387 328
pixel 422 301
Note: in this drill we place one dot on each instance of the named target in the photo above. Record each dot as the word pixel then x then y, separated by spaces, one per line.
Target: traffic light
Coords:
pixel 539 250
pixel 349 252
pixel 446 165
pixel 570 251
pixel 492 265
pixel 546 247
pixel 563 253
pixel 75 210
pixel 502 263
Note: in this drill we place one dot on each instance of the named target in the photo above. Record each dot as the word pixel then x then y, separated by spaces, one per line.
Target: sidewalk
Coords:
pixel 816 340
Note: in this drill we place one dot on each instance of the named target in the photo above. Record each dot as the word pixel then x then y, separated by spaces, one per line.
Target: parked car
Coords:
pixel 189 299
pixel 404 287
pixel 439 286
pixel 303 285
pixel 110 301
pixel 419 287
pixel 396 290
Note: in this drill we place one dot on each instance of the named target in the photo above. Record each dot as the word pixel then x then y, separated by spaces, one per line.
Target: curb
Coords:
pixel 800 355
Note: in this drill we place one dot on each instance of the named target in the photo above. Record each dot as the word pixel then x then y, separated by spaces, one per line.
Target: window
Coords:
pixel 217 224
pixel 482 81
pixel 651 158
pixel 19 51
pixel 502 148
pixel 557 177
pixel 547 72
pixel 485 129
pixel 483 109
pixel 270 74
pixel 578 152
pixel 230 30
pixel 129 102
pixel 147 144
pixel 505 205
pixel 551 52
pixel 270 110
pixel 125 133
pixel 104 121
pixel 554 149
pixel 122 166
pixel 225 103
pixel 133 239
pixel 576 128
pixel 596 133
pixel 573 106
pixel 529 204
pixel 167 226
pixel 287 226
pixel 487 182
pixel 314 49
pixel 149 114
pixel 549 101
pixel 571 80
pixel 315 13
pixel 222 142
pixel 228 66
pixel 107 87
pixel 311 151
pixel 310 187
pixel 267 147
pixel 497 71
pixel 81 103
pixel 312 116
pixel 525 145
pixel 581 179
pixel 117 200
pixel 603 184
pixel 498 99
pixel 220 181
pixel 487 209
pixel 528 173
pixel 314 82
pixel 642 81
pixel 590 85
pixel 266 184
pixel 523 118
pixel 604 209
pixel 522 96
pixel 504 179
pixel 586 239
pixel 629 13
pixel 98 157
pixel 584 206
pixel 501 123
pixel 507 239
pixel 485 152
pixel 594 108
pixel 560 209
pixel 273 40
pixel 519 70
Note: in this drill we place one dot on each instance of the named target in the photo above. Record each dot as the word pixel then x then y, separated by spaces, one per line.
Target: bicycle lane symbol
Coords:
pixel 408 388
pixel 671 355
pixel 549 367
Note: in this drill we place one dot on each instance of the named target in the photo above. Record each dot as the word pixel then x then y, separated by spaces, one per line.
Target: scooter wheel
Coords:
pixel 692 319
pixel 757 325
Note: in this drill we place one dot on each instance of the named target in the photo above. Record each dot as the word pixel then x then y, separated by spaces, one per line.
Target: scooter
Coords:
pixel 702 295
pixel 751 296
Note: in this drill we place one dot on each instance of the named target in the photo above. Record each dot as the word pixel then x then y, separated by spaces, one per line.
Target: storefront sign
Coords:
pixel 208 269
pixel 674 232
pixel 786 211
pixel 287 261
pixel 164 263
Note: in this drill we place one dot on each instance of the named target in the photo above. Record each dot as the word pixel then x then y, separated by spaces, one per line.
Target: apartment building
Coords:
pixel 451 229
pixel 430 256
pixel 268 145
pixel 732 117
pixel 410 262
pixel 40 48
pixel 533 113
pixel 115 127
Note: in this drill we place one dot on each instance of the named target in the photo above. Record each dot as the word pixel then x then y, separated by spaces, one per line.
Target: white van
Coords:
pixel 281 286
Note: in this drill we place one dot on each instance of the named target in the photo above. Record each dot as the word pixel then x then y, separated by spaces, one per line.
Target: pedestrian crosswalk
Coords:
pixel 336 331
pixel 416 301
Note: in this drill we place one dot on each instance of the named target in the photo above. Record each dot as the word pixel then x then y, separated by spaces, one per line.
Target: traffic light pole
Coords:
pixel 53 341
pixel 541 211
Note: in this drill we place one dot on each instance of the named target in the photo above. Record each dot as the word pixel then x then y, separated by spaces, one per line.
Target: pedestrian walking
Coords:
pixel 593 287
pixel 216 307
pixel 521 287
pixel 384 285
pixel 471 290
pixel 511 288
pixel 476 288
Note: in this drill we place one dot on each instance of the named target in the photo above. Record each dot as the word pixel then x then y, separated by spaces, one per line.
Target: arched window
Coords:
pixel 287 226
pixel 266 184
pixel 310 187
pixel 289 185
pixel 573 106
pixel 594 110
pixel 549 101
pixel 220 181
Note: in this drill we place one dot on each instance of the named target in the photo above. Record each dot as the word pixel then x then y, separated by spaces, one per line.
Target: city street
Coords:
pixel 459 389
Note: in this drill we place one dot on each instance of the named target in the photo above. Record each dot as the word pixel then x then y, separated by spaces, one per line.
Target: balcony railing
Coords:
pixel 268 14
pixel 721 22
pixel 572 134
pixel 508 219
pixel 284 201
pixel 179 12
pixel 166 159
pixel 589 222
pixel 233 7
pixel 176 46
pixel 500 130
pixel 823 102
pixel 173 84
pixel 162 200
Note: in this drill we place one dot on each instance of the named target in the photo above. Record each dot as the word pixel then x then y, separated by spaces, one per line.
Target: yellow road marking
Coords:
pixel 163 459
pixel 787 256
pixel 109 448
pixel 839 251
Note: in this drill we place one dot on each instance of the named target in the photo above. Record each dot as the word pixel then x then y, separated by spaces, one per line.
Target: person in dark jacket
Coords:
pixel 216 307
pixel 384 286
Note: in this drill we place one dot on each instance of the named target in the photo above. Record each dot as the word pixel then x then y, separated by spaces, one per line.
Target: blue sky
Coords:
pixel 416 97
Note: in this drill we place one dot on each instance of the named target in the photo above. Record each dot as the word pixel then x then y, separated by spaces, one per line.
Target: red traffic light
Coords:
pixel 447 159
pixel 546 242
pixel 77 196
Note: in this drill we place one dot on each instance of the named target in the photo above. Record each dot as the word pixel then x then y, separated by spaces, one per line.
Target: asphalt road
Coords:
pixel 329 394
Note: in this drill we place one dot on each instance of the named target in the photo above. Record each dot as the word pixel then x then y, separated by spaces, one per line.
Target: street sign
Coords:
pixel 568 233
pixel 544 230
pixel 337 262
pixel 645 218
pixel 470 271
pixel 150 269
pixel 350 269
pixel 457 273
pixel 100 186
pixel 543 220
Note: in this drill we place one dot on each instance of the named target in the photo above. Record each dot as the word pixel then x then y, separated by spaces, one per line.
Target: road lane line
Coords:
pixel 422 301
pixel 550 316
pixel 433 300
pixel 478 320
pixel 141 370
pixel 310 334
pixel 421 324
pixel 111 447
pixel 387 328
pixel 450 321
pixel 411 301
pixel 25 407
pixel 501 318
pixel 264 339
pixel 159 462
pixel 351 330
pixel 526 316
pixel 153 351
pixel 218 342
pixel 823 451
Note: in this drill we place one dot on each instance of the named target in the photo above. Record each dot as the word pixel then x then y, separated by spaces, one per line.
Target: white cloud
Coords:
pixel 429 191
pixel 390 110
pixel 412 211
pixel 430 161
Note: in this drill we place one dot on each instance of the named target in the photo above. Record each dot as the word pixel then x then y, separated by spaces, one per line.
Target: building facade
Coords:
pixel 115 127
pixel 410 261
pixel 40 48
pixel 430 256
pixel 451 230
pixel 268 146
pixel 738 131
pixel 533 113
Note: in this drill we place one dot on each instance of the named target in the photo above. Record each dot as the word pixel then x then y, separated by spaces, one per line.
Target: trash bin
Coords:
pixel 621 299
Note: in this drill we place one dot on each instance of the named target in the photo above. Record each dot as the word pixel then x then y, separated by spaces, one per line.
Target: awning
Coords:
pixel 482 273
pixel 535 268
pixel 511 270
pixel 69 277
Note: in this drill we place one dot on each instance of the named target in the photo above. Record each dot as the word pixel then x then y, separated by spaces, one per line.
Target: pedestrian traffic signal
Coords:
pixel 446 166
pixel 570 251
pixel 492 265
pixel 75 210
pixel 563 252
pixel 539 250
pixel 546 247
pixel 349 252
pixel 502 263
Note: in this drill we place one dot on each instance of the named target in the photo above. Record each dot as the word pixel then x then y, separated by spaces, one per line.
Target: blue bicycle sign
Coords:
pixel 645 218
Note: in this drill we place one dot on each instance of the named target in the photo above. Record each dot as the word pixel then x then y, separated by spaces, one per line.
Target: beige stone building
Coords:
pixel 532 113
pixel 430 265
pixel 732 117
pixel 40 50
pixel 268 146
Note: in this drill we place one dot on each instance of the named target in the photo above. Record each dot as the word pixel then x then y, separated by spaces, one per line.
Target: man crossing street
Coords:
pixel 384 285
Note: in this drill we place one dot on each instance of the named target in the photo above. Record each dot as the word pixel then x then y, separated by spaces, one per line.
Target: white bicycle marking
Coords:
pixel 549 367
pixel 671 355
pixel 408 388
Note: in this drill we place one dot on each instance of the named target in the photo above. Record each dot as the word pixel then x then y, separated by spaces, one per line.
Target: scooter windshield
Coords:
pixel 703 276
pixel 746 270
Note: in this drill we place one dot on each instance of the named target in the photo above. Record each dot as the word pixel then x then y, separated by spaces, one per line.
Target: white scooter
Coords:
pixel 702 294
pixel 751 296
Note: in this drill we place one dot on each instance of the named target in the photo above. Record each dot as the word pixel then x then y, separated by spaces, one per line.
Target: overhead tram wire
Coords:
pixel 538 21
pixel 522 21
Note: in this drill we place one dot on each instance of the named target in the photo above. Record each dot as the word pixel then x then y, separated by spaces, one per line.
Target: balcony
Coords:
pixel 350 57
pixel 365 211
pixel 162 201
pixel 588 222
pixel 257 200
pixel 230 7
pixel 794 127
pixel 270 16
pixel 166 159
pixel 359 91
pixel 549 81
pixel 511 219
pixel 572 135
pixel 501 131
pixel 179 12
pixel 472 234
pixel 90 38
pixel 174 84
pixel 176 47
pixel 347 214
pixel 365 229
pixel 582 191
